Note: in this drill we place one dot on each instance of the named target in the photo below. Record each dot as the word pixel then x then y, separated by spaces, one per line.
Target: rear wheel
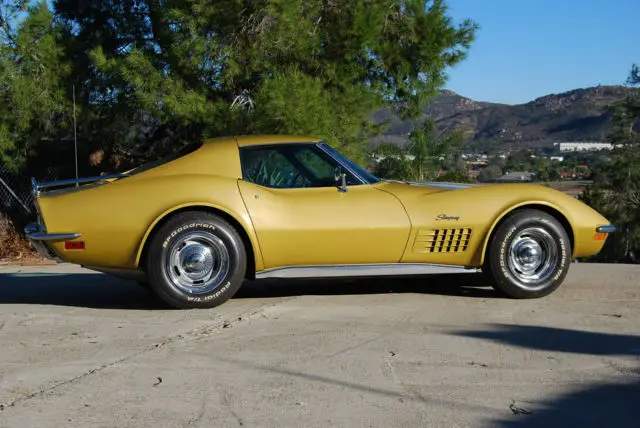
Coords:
pixel 196 260
pixel 529 255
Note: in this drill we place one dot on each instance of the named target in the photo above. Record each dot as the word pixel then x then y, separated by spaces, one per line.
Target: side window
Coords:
pixel 270 168
pixel 289 166
pixel 320 165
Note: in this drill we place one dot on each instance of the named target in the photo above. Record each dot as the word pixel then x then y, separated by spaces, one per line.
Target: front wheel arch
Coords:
pixel 530 255
pixel 551 210
pixel 248 245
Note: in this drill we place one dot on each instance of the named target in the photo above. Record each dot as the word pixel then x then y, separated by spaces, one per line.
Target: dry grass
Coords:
pixel 14 247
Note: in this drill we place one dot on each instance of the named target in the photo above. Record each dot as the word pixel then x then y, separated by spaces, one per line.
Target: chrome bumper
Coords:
pixel 36 233
pixel 606 229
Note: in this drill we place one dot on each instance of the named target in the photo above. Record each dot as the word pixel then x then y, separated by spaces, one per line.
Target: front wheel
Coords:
pixel 196 260
pixel 529 255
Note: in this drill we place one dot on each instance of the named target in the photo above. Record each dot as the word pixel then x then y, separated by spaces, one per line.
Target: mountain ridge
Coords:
pixel 579 114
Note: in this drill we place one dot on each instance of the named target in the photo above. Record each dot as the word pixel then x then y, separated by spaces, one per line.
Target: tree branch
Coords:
pixel 6 28
pixel 634 75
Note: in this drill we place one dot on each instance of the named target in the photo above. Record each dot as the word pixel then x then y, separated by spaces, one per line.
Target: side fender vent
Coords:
pixel 442 241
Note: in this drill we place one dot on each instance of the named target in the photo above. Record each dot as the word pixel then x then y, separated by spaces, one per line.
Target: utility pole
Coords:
pixel 75 136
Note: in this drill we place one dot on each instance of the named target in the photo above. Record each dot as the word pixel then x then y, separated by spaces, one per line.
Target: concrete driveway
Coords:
pixel 84 349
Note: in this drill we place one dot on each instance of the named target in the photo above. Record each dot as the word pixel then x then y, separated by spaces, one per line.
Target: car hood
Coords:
pixel 422 188
pixel 442 185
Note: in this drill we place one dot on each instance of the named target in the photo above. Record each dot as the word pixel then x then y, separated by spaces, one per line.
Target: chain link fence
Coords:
pixel 16 195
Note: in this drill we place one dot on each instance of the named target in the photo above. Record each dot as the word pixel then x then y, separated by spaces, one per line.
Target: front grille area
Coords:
pixel 442 241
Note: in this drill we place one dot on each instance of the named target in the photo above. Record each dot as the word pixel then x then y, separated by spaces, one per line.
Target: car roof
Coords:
pixel 257 140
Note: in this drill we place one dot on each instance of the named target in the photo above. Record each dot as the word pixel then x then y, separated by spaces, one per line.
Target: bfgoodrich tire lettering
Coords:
pixel 196 260
pixel 529 255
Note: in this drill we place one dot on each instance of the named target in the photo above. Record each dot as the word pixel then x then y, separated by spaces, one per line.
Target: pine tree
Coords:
pixel 159 74
pixel 616 188
pixel 33 102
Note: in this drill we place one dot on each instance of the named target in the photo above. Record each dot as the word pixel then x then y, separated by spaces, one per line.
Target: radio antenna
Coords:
pixel 75 136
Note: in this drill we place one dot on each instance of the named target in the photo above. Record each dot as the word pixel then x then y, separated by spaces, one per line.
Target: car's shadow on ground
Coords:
pixel 608 402
pixel 78 290
pixel 473 285
pixel 106 292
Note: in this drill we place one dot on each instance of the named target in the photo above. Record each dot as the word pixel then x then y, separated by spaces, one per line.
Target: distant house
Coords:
pixel 517 177
pixel 583 146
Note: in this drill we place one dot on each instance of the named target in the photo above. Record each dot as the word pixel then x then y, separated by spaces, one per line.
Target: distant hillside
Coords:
pixel 579 114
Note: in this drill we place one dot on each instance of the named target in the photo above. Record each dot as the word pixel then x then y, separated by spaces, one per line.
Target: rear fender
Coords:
pixel 246 229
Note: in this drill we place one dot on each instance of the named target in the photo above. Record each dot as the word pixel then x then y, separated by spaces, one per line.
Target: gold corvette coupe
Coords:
pixel 193 226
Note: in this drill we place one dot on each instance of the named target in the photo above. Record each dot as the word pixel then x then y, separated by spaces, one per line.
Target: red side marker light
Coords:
pixel 600 236
pixel 74 245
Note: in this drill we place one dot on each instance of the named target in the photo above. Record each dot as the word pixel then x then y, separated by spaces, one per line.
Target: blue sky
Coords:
pixel 529 48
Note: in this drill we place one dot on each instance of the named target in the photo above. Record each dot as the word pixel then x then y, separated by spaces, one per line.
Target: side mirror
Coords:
pixel 339 175
pixel 343 182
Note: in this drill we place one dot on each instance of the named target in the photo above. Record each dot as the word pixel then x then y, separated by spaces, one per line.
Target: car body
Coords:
pixel 295 206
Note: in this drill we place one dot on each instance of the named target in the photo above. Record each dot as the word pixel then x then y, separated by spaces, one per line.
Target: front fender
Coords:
pixel 579 219
pixel 482 208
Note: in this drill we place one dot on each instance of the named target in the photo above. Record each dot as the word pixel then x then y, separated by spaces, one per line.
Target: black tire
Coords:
pixel 205 239
pixel 511 256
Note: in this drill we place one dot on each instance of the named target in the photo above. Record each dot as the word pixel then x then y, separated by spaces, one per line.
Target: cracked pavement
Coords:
pixel 81 348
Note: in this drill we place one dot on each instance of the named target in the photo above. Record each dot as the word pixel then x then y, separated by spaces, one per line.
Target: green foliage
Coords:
pixel 33 104
pixel 547 169
pixel 490 173
pixel 426 156
pixel 296 103
pixel 392 163
pixel 10 10
pixel 550 172
pixel 519 161
pixel 151 77
pixel 429 148
pixel 156 75
pixel 634 75
pixel 454 177
pixel 616 189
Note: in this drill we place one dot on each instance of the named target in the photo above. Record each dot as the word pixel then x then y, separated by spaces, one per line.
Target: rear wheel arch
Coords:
pixel 544 207
pixel 165 217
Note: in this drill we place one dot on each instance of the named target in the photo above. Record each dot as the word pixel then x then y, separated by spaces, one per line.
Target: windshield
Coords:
pixel 366 175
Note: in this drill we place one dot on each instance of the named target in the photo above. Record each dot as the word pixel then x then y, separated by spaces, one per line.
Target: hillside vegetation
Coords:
pixel 577 115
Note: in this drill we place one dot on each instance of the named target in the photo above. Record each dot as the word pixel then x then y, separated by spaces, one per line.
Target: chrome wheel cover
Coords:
pixel 197 262
pixel 533 257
